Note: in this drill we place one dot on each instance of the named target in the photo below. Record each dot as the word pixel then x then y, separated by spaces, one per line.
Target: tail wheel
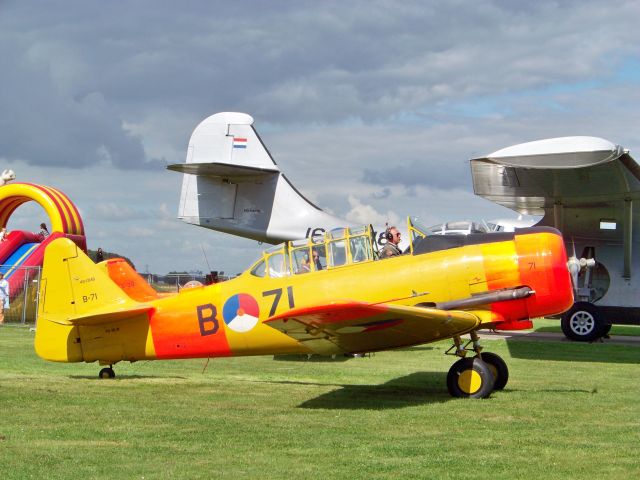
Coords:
pixel 107 373
pixel 470 378
pixel 498 368
pixel 583 322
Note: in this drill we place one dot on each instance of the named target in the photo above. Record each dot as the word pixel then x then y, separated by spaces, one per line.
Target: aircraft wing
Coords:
pixel 351 327
pixel 575 182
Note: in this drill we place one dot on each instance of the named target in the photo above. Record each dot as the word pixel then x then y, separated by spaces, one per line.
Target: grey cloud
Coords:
pixel 42 124
pixel 313 62
pixel 435 173
pixel 383 101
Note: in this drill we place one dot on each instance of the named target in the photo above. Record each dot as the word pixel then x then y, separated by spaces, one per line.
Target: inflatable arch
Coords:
pixel 63 214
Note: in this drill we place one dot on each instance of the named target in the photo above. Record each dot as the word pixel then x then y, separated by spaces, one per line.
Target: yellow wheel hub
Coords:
pixel 469 381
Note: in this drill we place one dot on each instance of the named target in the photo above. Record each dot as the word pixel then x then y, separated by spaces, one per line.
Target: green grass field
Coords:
pixel 569 411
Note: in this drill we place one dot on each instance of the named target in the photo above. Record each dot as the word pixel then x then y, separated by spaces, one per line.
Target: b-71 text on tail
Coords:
pixel 324 295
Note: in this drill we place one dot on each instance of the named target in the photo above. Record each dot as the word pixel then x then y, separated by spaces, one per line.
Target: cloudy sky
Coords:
pixel 389 98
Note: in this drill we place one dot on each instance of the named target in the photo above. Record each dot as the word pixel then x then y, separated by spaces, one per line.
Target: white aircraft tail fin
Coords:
pixel 231 184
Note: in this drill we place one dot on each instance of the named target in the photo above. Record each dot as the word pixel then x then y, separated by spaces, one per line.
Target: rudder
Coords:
pixel 75 294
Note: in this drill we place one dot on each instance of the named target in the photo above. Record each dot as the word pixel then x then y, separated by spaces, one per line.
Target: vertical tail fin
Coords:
pixel 75 294
pixel 73 287
pixel 232 184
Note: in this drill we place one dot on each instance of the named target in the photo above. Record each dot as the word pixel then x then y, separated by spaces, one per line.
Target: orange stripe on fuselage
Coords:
pixel 181 331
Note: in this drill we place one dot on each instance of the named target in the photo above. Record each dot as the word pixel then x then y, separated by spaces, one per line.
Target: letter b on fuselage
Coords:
pixel 207 319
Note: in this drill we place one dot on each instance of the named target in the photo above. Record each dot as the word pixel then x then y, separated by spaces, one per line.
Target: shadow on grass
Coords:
pixel 418 388
pixel 338 358
pixel 311 358
pixel 125 377
pixel 573 352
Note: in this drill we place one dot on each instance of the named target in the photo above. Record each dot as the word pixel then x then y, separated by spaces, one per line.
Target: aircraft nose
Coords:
pixel 542 261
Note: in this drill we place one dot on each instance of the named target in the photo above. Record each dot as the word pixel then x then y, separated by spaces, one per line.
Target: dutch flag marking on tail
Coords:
pixel 239 142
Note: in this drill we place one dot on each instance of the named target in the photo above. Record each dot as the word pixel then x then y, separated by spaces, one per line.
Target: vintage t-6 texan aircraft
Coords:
pixel 323 295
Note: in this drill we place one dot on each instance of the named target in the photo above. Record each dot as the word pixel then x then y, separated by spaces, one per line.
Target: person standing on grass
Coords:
pixel 4 296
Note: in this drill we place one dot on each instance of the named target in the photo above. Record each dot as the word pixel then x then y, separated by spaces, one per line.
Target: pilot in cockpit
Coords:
pixel 391 249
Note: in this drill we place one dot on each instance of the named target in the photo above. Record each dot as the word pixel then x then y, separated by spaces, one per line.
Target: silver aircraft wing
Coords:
pixel 584 186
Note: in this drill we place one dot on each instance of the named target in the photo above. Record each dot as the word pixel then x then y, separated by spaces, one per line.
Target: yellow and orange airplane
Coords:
pixel 324 295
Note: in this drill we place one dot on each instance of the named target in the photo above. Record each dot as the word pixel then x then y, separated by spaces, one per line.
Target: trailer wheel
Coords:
pixel 583 322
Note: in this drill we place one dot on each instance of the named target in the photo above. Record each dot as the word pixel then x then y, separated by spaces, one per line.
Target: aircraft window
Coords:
pixel 260 269
pixel 337 233
pixel 608 225
pixel 275 248
pixel 337 253
pixel 464 226
pixel 321 252
pixel 360 249
pixel 278 265
pixel 357 230
pixel 301 260
pixel 416 224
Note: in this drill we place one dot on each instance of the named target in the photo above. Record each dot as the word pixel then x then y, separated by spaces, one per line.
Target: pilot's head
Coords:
pixel 394 235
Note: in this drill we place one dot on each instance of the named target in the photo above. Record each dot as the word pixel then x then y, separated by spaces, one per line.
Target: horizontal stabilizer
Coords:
pixel 235 173
pixel 98 317
pixel 352 327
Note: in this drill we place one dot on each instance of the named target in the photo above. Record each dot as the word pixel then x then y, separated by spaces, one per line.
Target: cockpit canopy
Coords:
pixel 463 227
pixel 348 246
pixel 337 248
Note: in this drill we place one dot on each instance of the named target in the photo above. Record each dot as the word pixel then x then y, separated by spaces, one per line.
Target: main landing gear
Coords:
pixel 475 377
pixel 107 372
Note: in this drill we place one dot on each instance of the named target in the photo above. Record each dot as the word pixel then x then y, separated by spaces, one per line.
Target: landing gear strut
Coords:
pixel 475 377
pixel 107 372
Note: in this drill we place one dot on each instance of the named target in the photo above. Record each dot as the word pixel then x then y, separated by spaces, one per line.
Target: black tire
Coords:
pixel 107 372
pixel 583 322
pixel 498 368
pixel 470 378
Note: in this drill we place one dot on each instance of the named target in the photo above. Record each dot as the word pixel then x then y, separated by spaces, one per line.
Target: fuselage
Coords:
pixel 227 319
